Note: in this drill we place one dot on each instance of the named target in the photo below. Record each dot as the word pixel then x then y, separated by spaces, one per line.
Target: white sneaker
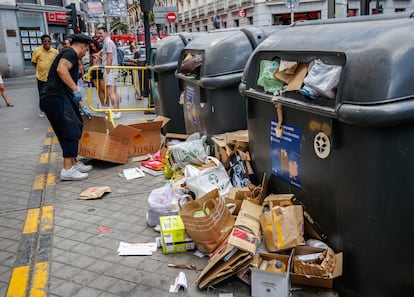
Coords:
pixel 72 174
pixel 116 115
pixel 82 167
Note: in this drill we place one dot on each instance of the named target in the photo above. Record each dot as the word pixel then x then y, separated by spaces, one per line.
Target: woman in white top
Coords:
pixel 95 59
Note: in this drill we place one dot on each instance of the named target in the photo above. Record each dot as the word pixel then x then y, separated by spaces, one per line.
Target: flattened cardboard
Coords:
pixel 315 281
pixel 246 233
pixel 294 81
pixel 225 262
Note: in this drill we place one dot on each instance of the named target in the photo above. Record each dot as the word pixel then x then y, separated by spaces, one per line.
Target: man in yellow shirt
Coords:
pixel 42 57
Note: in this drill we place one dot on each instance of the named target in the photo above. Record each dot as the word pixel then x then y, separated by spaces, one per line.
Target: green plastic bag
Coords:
pixel 266 78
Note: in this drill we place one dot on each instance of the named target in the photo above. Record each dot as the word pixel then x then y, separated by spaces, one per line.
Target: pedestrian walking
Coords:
pixel 61 101
pixel 110 58
pixel 4 93
pixel 95 59
pixel 42 58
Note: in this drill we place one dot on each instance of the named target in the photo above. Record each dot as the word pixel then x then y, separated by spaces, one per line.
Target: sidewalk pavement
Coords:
pixel 62 252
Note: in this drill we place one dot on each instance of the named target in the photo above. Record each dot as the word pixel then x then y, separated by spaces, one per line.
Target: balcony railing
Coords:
pixel 202 11
pixel 220 5
pixel 233 3
pixel 210 7
pixel 194 13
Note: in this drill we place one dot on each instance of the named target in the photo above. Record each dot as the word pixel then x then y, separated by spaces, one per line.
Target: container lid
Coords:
pixel 169 49
pixel 226 51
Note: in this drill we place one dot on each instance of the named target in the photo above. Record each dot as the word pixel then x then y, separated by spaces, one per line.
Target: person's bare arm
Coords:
pixel 62 70
pixel 108 61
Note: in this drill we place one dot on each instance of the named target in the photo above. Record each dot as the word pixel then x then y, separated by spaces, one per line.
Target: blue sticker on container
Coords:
pixel 285 153
pixel 190 108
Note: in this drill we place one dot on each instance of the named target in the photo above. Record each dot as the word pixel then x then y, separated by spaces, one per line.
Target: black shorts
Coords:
pixel 96 73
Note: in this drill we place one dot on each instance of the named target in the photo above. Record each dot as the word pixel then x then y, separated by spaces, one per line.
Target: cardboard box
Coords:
pixel 177 247
pixel 268 283
pixel 315 281
pixel 172 229
pixel 101 140
pixel 149 141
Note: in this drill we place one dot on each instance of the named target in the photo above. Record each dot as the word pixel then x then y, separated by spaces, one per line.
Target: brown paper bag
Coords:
pixel 282 227
pixel 207 220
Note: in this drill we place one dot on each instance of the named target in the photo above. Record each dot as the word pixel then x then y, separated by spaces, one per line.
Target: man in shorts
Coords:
pixel 109 58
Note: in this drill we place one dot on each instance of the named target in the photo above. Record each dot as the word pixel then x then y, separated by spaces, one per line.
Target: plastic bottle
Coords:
pixel 276 266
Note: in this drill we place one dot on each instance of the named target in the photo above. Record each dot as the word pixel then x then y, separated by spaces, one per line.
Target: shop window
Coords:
pixel 54 2
pixel 27 1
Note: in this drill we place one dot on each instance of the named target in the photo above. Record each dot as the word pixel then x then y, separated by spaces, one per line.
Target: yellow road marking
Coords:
pixel 32 217
pixel 51 180
pixel 48 141
pixel 44 158
pixel 39 182
pixel 40 278
pixel 49 129
pixel 18 282
pixel 46 222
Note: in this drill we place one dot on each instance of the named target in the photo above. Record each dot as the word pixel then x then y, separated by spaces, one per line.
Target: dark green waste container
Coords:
pixel 166 54
pixel 348 159
pixel 212 103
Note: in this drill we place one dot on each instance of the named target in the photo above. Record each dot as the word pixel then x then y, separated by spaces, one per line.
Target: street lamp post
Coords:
pixel 291 4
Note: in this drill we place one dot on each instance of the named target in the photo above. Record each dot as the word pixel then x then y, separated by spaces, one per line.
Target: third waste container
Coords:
pixel 212 103
pixel 343 143
pixel 166 54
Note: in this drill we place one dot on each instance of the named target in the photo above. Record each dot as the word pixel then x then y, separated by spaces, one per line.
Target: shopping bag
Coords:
pixel 207 220
pixel 282 227
pixel 203 181
pixel 162 202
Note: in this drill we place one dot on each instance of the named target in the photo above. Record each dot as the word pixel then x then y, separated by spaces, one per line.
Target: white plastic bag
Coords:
pixel 190 152
pixel 323 78
pixel 162 202
pixel 203 181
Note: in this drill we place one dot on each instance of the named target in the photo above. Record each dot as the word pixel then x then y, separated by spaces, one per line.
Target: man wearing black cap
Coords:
pixel 61 101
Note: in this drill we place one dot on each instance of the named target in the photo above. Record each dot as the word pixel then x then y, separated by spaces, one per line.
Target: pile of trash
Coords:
pixel 213 203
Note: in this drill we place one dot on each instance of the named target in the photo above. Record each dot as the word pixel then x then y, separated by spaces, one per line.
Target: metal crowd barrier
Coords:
pixel 128 82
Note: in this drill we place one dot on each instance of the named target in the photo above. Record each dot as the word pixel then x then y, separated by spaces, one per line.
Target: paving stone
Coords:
pixel 103 282
pixel 66 289
pixel 84 277
pixel 121 287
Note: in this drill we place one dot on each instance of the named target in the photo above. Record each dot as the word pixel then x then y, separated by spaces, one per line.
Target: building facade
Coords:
pixel 22 22
pixel 205 15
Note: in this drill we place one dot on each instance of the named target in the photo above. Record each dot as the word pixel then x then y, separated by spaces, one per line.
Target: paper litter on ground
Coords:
pixel 136 249
pixel 180 283
pixel 131 173
pixel 94 193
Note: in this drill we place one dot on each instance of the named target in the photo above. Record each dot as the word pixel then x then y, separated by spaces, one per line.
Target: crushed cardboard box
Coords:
pixel 226 144
pixel 103 141
pixel 315 281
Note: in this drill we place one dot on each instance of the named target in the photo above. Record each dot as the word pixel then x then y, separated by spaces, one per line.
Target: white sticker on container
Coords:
pixel 322 145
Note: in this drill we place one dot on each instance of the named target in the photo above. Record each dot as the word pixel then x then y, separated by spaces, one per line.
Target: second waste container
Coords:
pixel 212 103
pixel 347 154
pixel 166 54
